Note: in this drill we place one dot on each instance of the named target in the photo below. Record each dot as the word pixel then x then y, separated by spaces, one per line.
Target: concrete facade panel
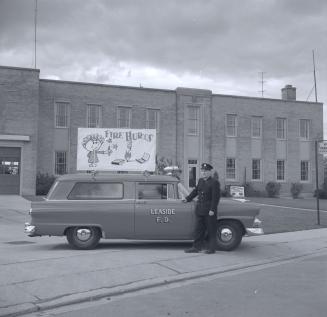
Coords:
pixel 281 150
pixel 305 150
pixel 61 139
pixel 256 148
pixel 231 146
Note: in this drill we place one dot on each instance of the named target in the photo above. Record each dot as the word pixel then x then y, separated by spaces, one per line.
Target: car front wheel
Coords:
pixel 83 238
pixel 229 235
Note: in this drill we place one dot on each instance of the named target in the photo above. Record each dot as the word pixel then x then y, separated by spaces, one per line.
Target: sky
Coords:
pixel 234 47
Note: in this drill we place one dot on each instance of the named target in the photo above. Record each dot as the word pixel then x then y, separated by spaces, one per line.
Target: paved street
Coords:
pixel 295 288
pixel 43 273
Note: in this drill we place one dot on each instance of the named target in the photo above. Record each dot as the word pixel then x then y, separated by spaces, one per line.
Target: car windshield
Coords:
pixel 182 191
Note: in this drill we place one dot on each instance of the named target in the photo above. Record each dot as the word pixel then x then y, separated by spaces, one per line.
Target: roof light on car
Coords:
pixel 172 170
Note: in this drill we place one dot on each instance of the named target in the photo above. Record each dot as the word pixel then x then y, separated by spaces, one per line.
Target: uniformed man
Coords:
pixel 208 192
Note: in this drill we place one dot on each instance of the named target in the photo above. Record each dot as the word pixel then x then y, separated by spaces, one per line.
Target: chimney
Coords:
pixel 289 93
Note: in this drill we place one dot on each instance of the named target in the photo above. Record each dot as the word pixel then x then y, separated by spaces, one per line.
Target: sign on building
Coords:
pixel 116 149
pixel 322 147
pixel 237 191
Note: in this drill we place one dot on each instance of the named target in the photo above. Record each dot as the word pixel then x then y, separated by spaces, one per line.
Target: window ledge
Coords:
pixel 13 137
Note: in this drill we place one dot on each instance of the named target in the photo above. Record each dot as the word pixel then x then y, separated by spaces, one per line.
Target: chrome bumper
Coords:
pixel 256 230
pixel 29 229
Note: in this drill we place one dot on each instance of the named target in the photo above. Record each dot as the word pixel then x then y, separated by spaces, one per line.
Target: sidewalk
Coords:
pixel 37 274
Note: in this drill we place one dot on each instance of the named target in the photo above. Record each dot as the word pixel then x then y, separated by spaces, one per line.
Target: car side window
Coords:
pixel 95 190
pixel 155 191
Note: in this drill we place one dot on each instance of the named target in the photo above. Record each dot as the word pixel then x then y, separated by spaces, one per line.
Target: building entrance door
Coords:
pixel 9 170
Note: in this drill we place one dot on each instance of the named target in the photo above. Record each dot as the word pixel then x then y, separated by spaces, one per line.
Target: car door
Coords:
pixel 159 214
pixel 108 204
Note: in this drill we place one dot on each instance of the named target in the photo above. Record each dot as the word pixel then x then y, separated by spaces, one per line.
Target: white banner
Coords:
pixel 116 149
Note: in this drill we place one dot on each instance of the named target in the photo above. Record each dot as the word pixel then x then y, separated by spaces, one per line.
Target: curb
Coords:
pixel 98 294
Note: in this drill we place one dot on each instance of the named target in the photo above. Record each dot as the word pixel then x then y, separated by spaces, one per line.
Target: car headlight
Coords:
pixel 257 223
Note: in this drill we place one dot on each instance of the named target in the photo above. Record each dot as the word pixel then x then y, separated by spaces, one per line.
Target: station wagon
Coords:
pixel 86 208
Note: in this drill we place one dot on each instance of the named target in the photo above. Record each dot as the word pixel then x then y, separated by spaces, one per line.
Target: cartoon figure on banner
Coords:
pixel 92 143
pixel 128 153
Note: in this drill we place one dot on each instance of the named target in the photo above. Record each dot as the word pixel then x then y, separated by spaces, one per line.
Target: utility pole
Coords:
pixel 262 82
pixel 316 142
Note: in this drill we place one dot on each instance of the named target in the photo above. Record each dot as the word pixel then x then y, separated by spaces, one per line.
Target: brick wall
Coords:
pixel 19 99
pixel 79 95
pixel 27 108
pixel 269 109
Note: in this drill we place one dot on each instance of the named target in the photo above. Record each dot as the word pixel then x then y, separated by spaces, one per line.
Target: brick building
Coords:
pixel 247 139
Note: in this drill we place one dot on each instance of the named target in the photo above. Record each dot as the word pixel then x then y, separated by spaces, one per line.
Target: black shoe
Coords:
pixel 192 250
pixel 209 251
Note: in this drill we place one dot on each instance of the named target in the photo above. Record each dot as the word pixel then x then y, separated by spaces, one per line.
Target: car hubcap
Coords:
pixel 226 235
pixel 83 234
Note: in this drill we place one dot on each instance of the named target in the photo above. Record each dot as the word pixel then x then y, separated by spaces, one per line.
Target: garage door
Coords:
pixel 9 170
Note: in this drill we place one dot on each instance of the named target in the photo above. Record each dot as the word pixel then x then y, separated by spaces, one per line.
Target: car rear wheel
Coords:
pixel 84 238
pixel 229 235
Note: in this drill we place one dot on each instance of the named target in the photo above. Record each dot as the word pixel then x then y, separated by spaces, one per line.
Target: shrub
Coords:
pixel 273 189
pixel 225 192
pixel 322 191
pixel 249 191
pixel 43 183
pixel 296 189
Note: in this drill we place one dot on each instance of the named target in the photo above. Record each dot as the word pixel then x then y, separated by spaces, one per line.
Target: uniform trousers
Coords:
pixel 205 224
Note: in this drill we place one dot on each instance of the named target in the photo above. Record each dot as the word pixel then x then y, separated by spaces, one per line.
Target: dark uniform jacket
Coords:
pixel 208 192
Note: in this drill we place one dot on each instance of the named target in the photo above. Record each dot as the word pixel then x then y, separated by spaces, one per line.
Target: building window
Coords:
pixel 192 173
pixel 304 171
pixel 304 129
pixel 152 119
pixel 230 168
pixel 94 116
pixel 61 114
pixel 193 120
pixel 9 166
pixel 256 127
pixel 124 117
pixel 231 125
pixel 256 169
pixel 280 170
pixel 281 128
pixel 60 163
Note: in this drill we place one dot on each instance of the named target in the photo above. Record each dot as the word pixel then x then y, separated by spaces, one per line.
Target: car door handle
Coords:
pixel 141 202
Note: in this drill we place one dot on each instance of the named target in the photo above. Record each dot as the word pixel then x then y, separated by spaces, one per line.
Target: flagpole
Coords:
pixel 35 23
pixel 314 74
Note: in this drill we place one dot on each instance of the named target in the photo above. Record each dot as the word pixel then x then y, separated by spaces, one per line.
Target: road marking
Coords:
pixel 277 206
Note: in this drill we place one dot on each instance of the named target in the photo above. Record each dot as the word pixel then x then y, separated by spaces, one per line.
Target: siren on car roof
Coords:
pixel 172 170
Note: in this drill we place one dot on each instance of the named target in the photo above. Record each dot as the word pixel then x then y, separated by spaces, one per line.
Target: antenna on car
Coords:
pixel 93 173
pixel 146 173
